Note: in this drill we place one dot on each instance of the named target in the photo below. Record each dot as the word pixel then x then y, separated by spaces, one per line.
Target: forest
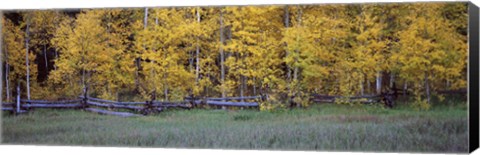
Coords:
pixel 135 54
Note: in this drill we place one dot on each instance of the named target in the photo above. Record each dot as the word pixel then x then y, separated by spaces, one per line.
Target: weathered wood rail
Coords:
pixel 99 104
pixel 113 102
pixel 50 104
pixel 22 106
pixel 27 106
pixel 237 104
pixel 246 101
pixel 108 107
pixel 170 104
pixel 235 98
pixel 8 107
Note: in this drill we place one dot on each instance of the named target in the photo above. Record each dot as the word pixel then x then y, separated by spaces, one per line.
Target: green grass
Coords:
pixel 321 127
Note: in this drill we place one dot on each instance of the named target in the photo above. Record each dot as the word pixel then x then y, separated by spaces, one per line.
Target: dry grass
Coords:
pixel 323 127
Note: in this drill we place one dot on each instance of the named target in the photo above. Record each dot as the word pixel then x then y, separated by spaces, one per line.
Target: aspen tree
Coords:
pixel 239 50
pixel 27 21
pixel 14 46
pixel 426 47
pixel 85 51
pixel 369 52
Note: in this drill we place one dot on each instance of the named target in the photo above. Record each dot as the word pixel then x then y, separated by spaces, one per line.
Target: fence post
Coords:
pixel 145 108
pixel 192 100
pixel 18 99
pixel 84 102
pixel 150 103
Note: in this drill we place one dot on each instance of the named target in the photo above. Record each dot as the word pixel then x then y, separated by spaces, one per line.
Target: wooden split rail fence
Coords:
pixel 127 109
pixel 96 105
pixel 109 107
pixel 22 106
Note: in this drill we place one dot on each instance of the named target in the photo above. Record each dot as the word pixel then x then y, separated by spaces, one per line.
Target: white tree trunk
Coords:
pixel 427 88
pixel 254 86
pixel 241 76
pixel 287 24
pixel 137 59
pixel 84 85
pixel 447 85
pixel 379 82
pixel 153 72
pixel 165 90
pixel 27 37
pixel 392 80
pixel 222 56
pixel 191 56
pixel 7 70
pixel 7 82
pixel 83 82
pixel 362 91
pixel 299 21
pixel 244 86
pixel 45 55
pixel 197 54
pixel 369 87
pixel 165 83
pixel 297 52
pixel 145 19
pixel 56 58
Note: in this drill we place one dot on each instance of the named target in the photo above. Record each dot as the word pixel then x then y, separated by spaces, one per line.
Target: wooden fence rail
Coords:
pixel 143 107
pixel 29 104
pixel 235 98
pixel 178 104
pixel 77 105
pixel 98 104
pixel 8 106
pixel 238 104
pixel 169 102
pixel 110 101
pixel 8 109
pixel 227 101
pixel 112 105
pixel 51 102
pixel 131 103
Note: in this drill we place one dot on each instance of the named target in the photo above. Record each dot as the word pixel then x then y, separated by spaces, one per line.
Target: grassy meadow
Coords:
pixel 326 127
